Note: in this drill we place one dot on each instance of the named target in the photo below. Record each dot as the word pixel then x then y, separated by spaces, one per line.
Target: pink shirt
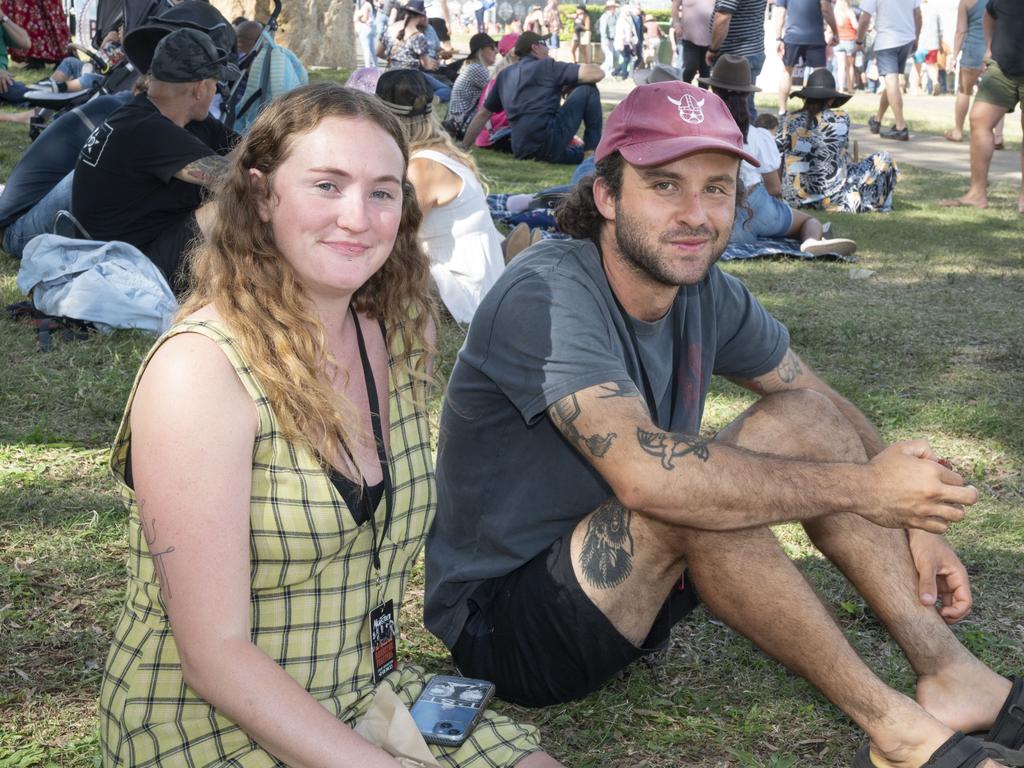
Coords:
pixel 696 18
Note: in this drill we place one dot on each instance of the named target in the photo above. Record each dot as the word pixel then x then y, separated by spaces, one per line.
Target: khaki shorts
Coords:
pixel 1000 89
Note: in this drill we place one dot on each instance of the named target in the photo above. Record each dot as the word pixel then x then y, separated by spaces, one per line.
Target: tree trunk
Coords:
pixel 320 32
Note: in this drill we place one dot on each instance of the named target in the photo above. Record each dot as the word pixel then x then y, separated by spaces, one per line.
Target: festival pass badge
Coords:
pixel 382 640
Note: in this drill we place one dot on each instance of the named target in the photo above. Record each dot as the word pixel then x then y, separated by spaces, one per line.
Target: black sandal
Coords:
pixel 959 751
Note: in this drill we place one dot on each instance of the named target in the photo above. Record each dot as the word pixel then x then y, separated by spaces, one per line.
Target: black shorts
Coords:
pixel 812 56
pixel 441 28
pixel 537 636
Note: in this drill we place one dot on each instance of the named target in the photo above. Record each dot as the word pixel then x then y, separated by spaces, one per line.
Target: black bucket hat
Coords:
pixel 140 43
pixel 820 84
pixel 188 56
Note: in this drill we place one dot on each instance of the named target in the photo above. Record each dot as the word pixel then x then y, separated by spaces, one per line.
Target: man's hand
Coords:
pixel 940 575
pixel 709 58
pixel 910 489
pixel 5 80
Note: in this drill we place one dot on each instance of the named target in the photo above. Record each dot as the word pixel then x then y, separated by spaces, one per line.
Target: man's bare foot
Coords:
pixel 906 737
pixel 965 698
pixel 965 202
pixel 881 762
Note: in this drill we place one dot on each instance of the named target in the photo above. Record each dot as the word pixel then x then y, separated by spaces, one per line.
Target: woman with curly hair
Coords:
pixel 275 459
pixel 457 232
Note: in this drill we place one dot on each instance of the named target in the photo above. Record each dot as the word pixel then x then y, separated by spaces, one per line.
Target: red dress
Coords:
pixel 46 24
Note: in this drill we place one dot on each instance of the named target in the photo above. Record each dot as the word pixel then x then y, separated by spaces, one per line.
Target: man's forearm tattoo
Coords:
pixel 607 554
pixel 206 170
pixel 565 413
pixel 618 389
pixel 789 368
pixel 149 533
pixel 671 446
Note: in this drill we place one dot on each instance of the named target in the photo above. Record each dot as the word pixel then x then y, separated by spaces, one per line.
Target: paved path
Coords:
pixel 923 150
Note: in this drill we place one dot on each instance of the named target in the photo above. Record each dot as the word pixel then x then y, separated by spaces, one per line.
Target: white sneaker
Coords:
pixel 839 246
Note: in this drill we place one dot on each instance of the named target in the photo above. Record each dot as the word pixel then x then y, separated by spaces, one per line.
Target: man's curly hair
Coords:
pixel 578 216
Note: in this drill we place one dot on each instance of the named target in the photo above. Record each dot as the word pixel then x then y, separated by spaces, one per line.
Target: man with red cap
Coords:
pixel 581 513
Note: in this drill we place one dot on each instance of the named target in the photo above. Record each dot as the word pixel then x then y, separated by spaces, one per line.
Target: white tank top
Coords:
pixel 463 245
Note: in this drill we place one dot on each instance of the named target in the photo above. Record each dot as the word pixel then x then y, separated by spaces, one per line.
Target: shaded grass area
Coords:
pixel 929 345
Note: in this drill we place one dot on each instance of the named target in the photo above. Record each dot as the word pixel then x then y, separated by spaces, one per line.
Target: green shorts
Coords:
pixel 1000 89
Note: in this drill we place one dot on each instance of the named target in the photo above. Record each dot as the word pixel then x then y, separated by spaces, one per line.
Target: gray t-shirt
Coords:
pixel 508 483
pixel 805 24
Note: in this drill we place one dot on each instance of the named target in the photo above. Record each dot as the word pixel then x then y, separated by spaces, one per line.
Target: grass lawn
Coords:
pixel 931 344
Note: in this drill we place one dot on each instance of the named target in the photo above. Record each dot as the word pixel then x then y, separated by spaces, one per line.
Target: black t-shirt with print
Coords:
pixel 124 186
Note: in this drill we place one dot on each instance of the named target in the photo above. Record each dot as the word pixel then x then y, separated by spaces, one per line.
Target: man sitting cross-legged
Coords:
pixel 574 488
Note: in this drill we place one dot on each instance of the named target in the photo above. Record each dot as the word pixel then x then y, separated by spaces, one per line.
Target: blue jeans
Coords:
pixel 553 41
pixel 587 168
pixel 15 93
pixel 761 216
pixel 441 90
pixel 368 44
pixel 622 69
pixel 756 65
pixel 71 67
pixel 39 219
pixel 582 106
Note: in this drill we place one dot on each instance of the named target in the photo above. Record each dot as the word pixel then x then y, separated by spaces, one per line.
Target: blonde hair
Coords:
pixel 240 271
pixel 425 132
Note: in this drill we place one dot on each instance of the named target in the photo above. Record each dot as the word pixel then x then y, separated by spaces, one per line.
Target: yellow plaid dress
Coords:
pixel 313 587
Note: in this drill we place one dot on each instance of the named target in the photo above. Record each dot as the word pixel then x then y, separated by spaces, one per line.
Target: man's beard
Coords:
pixel 637 250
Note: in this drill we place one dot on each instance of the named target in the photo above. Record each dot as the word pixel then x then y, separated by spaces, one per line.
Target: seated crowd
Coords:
pixel 303 357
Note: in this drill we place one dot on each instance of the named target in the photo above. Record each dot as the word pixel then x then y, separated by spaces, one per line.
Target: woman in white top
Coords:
pixel 457 232
pixel 762 214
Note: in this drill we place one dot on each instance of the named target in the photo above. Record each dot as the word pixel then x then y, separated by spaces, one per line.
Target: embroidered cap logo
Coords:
pixel 690 110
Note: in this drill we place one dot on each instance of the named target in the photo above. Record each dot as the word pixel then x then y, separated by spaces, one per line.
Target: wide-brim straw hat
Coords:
pixel 731 73
pixel 820 84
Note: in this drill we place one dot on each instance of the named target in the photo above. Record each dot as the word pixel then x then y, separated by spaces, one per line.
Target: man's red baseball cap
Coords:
pixel 660 122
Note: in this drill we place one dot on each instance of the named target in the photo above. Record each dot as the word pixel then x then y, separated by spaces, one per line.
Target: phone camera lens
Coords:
pixel 454 731
pixel 444 725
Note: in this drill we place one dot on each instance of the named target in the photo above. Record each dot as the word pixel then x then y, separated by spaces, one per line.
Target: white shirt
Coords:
pixel 460 239
pixel 894 21
pixel 761 144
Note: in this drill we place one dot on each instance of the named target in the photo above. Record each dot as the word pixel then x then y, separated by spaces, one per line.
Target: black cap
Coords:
pixel 140 43
pixel 526 42
pixel 481 40
pixel 415 6
pixel 187 56
pixel 406 92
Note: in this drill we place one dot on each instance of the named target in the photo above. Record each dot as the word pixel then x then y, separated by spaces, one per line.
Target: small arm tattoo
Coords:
pixel 618 389
pixel 206 170
pixel 149 532
pixel 671 446
pixel 789 368
pixel 606 557
pixel 564 414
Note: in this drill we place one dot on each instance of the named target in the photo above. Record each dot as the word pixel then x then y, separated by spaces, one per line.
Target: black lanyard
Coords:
pixel 378 438
pixel 677 335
